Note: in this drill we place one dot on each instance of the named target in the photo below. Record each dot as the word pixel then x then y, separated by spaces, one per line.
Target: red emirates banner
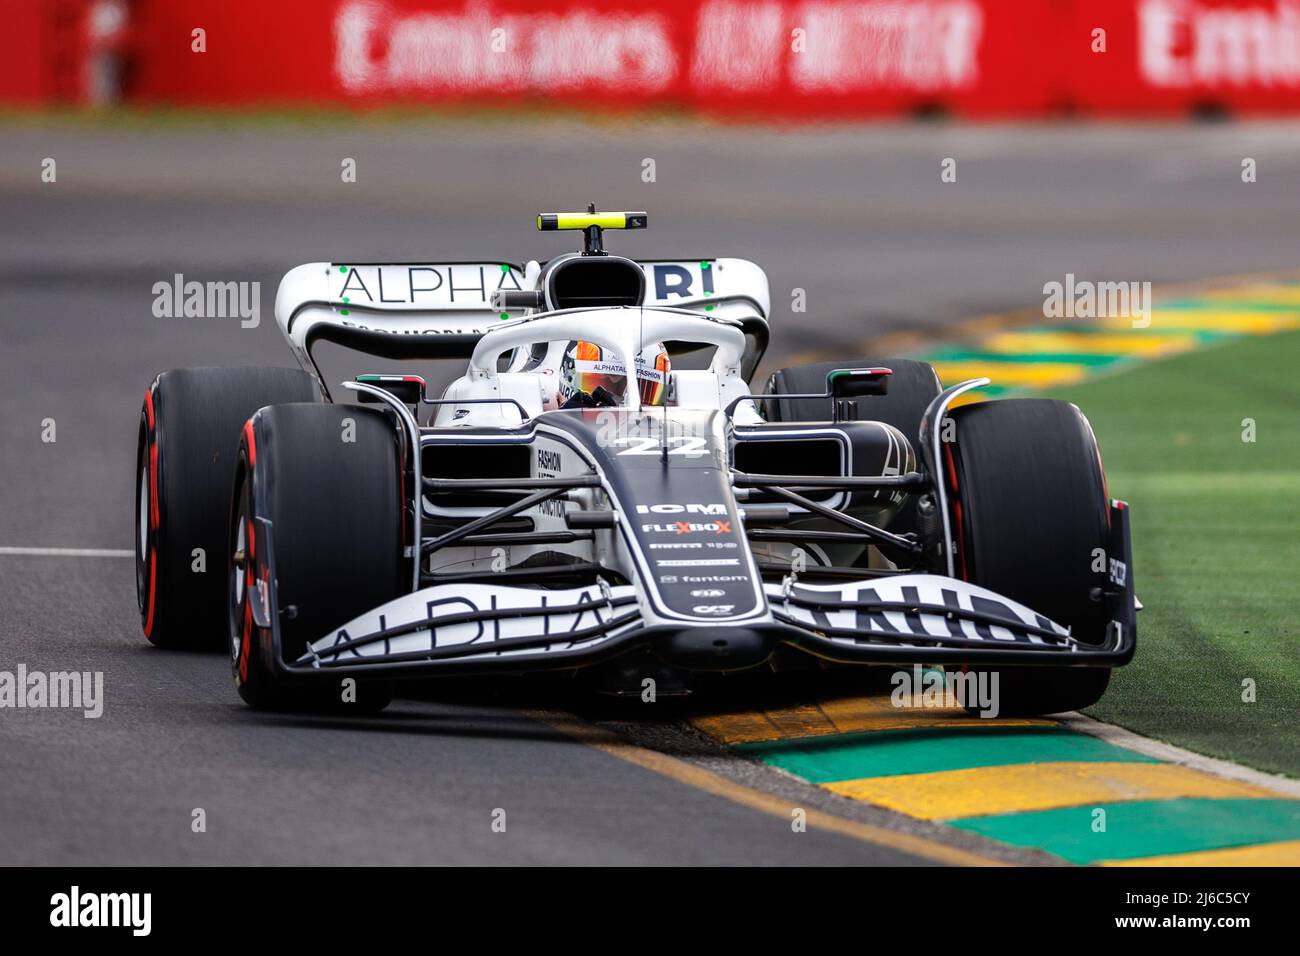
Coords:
pixel 782 59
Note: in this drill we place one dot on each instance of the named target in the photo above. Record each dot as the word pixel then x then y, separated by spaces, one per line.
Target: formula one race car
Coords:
pixel 591 497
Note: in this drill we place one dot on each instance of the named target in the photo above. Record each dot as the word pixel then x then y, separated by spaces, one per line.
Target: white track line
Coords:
pixel 70 552
pixel 1168 752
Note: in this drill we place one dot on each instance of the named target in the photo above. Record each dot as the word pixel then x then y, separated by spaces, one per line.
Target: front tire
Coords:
pixel 1031 517
pixel 329 480
pixel 185 458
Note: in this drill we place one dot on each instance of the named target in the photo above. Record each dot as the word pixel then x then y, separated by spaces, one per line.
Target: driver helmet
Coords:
pixel 586 367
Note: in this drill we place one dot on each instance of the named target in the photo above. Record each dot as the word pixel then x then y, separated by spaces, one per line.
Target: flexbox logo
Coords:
pixel 76 909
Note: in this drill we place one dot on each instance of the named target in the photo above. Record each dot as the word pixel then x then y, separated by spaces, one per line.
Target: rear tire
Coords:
pixel 185 458
pixel 1031 511
pixel 911 388
pixel 336 510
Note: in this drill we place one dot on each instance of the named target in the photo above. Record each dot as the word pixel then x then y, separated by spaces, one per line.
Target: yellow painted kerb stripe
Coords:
pixel 702 779
pixel 841 715
pixel 979 791
pixel 1268 294
pixel 1032 374
pixel 1267 854
pixel 1209 320
pixel 1043 342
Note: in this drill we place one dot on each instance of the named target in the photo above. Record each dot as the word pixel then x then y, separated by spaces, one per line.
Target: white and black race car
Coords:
pixel 667 521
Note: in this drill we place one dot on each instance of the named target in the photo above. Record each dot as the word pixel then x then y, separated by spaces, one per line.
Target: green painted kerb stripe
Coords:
pixel 1144 827
pixel 1091 359
pixel 1227 305
pixel 893 752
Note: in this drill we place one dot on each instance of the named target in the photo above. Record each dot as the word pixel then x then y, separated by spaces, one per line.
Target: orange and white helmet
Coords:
pixel 586 367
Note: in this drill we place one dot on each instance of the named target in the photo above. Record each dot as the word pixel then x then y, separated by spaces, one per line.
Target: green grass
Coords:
pixel 1216 526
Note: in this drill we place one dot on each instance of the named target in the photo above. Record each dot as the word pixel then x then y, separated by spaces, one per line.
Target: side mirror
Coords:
pixel 857 382
pixel 408 389
pixel 845 384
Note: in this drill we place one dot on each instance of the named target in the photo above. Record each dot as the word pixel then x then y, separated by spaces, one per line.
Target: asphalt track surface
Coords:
pixel 858 219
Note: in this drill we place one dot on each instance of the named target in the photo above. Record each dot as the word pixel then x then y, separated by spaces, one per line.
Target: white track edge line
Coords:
pixel 1129 740
pixel 70 552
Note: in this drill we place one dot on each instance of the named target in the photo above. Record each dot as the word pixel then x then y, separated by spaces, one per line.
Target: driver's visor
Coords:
pixel 653 381
pixel 650 382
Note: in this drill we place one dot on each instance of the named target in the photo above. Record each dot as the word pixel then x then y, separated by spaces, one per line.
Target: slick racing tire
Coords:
pixel 1029 504
pixel 335 510
pixel 185 460
pixel 911 389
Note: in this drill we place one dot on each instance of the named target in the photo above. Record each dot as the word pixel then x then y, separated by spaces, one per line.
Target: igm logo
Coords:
pixel 75 909
pixel 928 687
pixel 677 509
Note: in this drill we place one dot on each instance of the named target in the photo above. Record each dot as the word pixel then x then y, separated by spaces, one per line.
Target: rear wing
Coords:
pixel 421 310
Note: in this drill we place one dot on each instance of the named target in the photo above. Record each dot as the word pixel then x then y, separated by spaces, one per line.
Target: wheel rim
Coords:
pixel 142 509
pixel 238 591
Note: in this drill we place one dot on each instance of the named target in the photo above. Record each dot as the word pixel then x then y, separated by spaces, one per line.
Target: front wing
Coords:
pixel 904 618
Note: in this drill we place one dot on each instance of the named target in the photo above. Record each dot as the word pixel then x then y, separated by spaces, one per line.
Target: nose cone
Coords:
pixel 715 648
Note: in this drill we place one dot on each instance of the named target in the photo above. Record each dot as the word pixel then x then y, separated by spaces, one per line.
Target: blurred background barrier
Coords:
pixel 784 59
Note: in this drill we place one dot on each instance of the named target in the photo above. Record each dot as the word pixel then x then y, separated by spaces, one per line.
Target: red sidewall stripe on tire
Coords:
pixel 155 510
pixel 153 585
pixel 246 644
pixel 246 640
